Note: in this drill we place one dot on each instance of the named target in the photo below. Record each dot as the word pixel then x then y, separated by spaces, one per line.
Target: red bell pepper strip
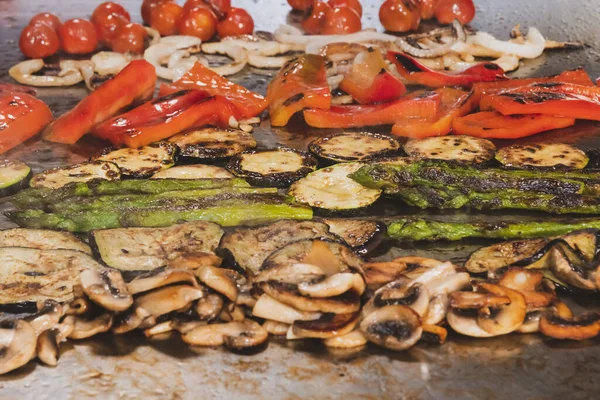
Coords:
pixel 9 87
pixel 454 103
pixel 300 84
pixel 135 83
pixel 493 125
pixel 249 103
pixel 21 117
pixel 370 82
pixel 415 72
pixel 423 105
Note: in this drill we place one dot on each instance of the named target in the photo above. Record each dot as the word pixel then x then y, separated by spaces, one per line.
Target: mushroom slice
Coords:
pixel 531 284
pixel 85 328
pixel 220 280
pixel 333 285
pixel 437 309
pixel 531 324
pixel 328 326
pixel 581 327
pixel 434 334
pixel 503 319
pixel 245 298
pixel 235 335
pixel 66 327
pixel 167 299
pixel 393 327
pixel 427 275
pixel 17 344
pixel 126 322
pixel 47 347
pixel 47 317
pixel 268 308
pixel 476 300
pixel 448 284
pixel 415 296
pixel 159 278
pixel 276 328
pixel 564 268
pixel 378 274
pixel 78 306
pixel 466 324
pixel 106 288
pixel 347 341
pixel 209 307
pixel 232 314
pixel 290 273
pixel 158 329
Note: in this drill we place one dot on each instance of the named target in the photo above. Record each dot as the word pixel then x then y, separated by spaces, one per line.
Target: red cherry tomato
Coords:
pixel 38 41
pixel 400 15
pixel 447 11
pixel 148 6
pixel 340 21
pixel 427 8
pixel 199 22
pixel 165 17
pixel 107 27
pixel 46 18
pixel 237 22
pixel 353 4
pixel 109 8
pixel 300 5
pixel 130 38
pixel 314 23
pixel 191 4
pixel 78 36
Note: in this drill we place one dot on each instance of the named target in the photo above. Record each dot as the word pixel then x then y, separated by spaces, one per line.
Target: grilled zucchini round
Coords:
pixel 58 177
pixel 144 161
pixel 275 167
pixel 465 149
pixel 194 171
pixel 213 143
pixel 548 155
pixel 354 146
pixel 14 176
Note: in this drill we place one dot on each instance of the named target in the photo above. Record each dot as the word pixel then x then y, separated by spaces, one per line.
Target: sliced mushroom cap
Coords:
pixel 434 334
pixel 449 283
pixel 220 280
pixel 48 316
pixel 172 325
pixel 66 327
pixel 106 288
pixel 194 261
pixel 582 327
pixel 17 344
pixel 465 323
pixel 531 284
pixel 85 328
pixel 476 300
pixel 428 275
pixel 531 323
pixel 78 306
pixel 167 299
pixel 347 341
pixel 159 278
pixel 209 307
pixel 437 309
pixel 130 320
pixel 415 296
pixel 566 271
pixel 276 328
pixel 47 348
pixel 333 285
pixel 235 335
pixel 268 308
pixel 378 274
pixel 504 319
pixel 291 273
pixel 393 327
pixel 328 326
pixel 232 314
pixel 245 298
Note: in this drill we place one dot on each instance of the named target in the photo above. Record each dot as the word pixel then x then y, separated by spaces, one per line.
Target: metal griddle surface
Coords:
pixel 515 366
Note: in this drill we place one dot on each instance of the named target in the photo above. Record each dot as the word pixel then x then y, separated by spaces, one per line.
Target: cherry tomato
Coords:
pixel 199 22
pixel 400 15
pixel 109 8
pixel 237 22
pixel 107 27
pixel 353 4
pixel 46 18
pixel 314 23
pixel 300 5
pixel 130 38
pixel 165 17
pixel 148 6
pixel 191 4
pixel 447 11
pixel 340 21
pixel 427 8
pixel 221 7
pixel 38 41
pixel 78 36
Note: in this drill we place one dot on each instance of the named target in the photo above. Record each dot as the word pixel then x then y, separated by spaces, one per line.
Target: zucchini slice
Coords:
pixel 467 149
pixel 195 171
pixel 360 234
pixel 14 176
pixel 42 239
pixel 213 143
pixel 331 189
pixel 503 254
pixel 249 246
pixel 142 249
pixel 542 155
pixel 144 161
pixel 58 177
pixel 354 146
pixel 275 167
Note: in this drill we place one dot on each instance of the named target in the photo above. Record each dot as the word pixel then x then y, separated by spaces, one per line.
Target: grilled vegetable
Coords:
pixel 331 189
pixel 277 167
pixel 466 149
pixel 251 246
pixel 353 146
pixel 195 171
pixel 144 161
pixel 136 249
pixel 41 240
pixel 58 177
pixel 14 175
pixel 213 143
pixel 362 235
pixel 542 155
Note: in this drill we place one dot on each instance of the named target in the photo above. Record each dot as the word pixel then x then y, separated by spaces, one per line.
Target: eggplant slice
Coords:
pixel 143 249
pixel 250 246
pixel 547 155
pixel 42 239
pixel 354 146
pixel 331 189
pixel 213 143
pixel 362 235
pixel 144 161
pixel 275 167
pixel 56 178
pixel 467 149
pixel 194 171
pixel 14 176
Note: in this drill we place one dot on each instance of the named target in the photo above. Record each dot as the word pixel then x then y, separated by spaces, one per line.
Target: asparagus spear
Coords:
pixel 430 230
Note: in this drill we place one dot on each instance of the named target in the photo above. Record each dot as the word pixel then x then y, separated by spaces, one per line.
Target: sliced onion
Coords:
pixel 109 62
pixel 259 61
pixel 456 31
pixel 533 46
pixel 154 35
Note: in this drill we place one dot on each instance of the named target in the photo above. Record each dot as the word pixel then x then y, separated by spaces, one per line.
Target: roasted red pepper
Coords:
pixel 248 103
pixel 370 82
pixel 415 72
pixel 21 117
pixel 424 106
pixel 300 84
pixel 9 87
pixel 493 125
pixel 454 103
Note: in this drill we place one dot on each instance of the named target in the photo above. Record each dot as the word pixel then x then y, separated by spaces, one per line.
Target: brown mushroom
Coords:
pixel 268 308
pixel 78 306
pixel 327 326
pixel 66 326
pixel 434 334
pixel 347 341
pixel 172 325
pixel 235 335
pixel 584 326
pixel 220 280
pixel 565 270
pixel 130 320
pixel 531 324
pixel 437 309
pixel 245 298
pixel 17 344
pixel 503 319
pixel 47 348
pixel 448 283
pixel 209 307
pixel 531 284
pixel 414 295
pixel 232 314
pixel 466 324
pixel 166 299
pixel 159 278
pixel 194 261
pixel 48 316
pixel 321 256
pixel 394 327
pixel 378 274
pixel 476 300
pixel 87 327
pixel 106 288
pixel 431 274
pixel 333 285
pixel 275 328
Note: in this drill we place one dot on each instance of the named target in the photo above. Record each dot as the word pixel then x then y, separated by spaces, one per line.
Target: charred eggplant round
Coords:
pixel 354 146
pixel 213 143
pixel 58 177
pixel 143 162
pixel 548 155
pixel 467 149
